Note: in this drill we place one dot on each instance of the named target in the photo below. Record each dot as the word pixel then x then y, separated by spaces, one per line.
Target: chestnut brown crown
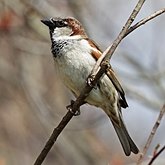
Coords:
pixel 70 22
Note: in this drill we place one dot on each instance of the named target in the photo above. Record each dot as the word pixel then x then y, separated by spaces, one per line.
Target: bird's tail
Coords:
pixel 124 137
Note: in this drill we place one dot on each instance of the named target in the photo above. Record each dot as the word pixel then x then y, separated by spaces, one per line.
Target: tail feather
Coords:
pixel 125 139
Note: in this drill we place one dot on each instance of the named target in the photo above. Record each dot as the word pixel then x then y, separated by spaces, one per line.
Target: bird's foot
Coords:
pixel 70 109
pixel 89 81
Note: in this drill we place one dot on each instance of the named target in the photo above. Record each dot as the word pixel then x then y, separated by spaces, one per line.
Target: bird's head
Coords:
pixel 64 27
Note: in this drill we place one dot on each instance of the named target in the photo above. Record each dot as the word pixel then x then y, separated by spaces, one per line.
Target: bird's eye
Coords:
pixel 61 24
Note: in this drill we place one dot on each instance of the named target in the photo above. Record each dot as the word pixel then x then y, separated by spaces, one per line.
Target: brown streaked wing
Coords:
pixel 96 53
pixel 111 74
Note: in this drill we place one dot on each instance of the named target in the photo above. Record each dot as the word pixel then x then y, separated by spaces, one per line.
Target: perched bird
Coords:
pixel 74 56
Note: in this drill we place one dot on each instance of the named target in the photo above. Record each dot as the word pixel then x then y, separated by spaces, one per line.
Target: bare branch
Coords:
pixel 53 138
pixel 150 138
pixel 124 30
pixel 156 149
pixel 107 54
pixel 145 20
pixel 130 29
pixel 156 155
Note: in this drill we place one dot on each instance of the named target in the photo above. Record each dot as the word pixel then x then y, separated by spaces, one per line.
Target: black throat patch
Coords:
pixel 57 47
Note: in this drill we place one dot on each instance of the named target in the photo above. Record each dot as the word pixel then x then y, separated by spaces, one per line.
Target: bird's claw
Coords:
pixel 89 82
pixel 70 109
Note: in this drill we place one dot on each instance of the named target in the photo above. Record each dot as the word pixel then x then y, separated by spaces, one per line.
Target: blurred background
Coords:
pixel 33 100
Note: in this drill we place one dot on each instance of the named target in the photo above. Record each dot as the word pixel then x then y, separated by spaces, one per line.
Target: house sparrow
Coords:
pixel 75 55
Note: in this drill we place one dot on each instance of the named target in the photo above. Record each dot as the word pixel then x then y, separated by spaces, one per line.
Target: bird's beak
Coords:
pixel 48 23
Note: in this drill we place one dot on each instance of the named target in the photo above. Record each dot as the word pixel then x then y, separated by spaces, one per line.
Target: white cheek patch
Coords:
pixel 61 32
pixel 56 36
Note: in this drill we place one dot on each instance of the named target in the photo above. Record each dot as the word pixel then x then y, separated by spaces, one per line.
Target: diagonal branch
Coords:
pixel 156 155
pixel 150 138
pixel 130 29
pixel 107 54
pixel 124 30
pixel 145 20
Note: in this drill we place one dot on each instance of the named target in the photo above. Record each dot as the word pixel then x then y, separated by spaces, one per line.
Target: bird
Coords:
pixel 75 55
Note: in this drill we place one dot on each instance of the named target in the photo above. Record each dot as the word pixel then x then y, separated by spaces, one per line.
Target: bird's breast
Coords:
pixel 74 63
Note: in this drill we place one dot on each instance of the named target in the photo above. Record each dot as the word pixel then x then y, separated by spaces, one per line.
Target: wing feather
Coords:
pixel 96 53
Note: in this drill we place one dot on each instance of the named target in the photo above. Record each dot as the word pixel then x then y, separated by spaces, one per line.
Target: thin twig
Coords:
pixel 145 20
pixel 131 29
pixel 125 29
pixel 156 155
pixel 150 138
pixel 156 149
pixel 107 54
